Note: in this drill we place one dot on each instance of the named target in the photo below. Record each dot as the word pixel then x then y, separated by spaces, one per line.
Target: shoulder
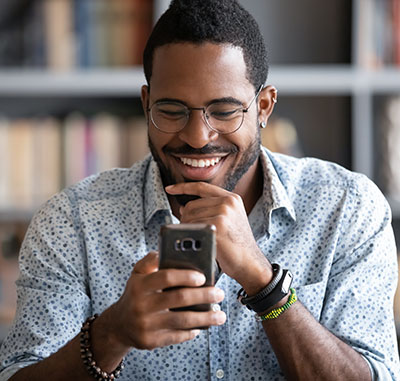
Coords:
pixel 112 183
pixel 307 173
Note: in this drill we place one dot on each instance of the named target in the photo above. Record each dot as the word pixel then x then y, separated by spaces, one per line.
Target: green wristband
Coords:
pixel 276 312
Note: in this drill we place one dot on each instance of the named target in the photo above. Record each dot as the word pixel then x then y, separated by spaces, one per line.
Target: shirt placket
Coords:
pixel 218 340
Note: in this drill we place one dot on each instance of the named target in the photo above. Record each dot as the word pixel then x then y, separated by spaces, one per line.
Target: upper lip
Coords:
pixel 199 157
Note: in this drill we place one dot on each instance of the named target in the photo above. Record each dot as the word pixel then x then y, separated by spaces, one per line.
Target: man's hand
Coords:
pixel 142 314
pixel 237 252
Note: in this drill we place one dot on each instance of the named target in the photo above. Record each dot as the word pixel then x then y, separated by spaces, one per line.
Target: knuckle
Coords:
pixel 225 209
pixel 139 307
pixel 144 341
pixel 182 296
pixel 233 199
pixel 168 278
pixel 183 320
pixel 219 220
pixel 142 324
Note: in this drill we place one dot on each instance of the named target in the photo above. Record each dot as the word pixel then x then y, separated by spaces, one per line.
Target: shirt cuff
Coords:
pixel 378 370
pixel 6 373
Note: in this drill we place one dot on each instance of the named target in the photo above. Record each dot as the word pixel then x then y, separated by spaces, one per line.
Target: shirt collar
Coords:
pixel 155 197
pixel 274 195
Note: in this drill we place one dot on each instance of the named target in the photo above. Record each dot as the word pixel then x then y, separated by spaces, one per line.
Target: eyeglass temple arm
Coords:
pixel 255 97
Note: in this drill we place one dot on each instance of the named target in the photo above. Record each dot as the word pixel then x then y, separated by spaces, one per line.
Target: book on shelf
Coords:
pixel 4 162
pixel 46 160
pixel 389 137
pixel 378 33
pixel 67 34
pixel 39 156
pixel 58 26
pixel 397 301
pixel 134 141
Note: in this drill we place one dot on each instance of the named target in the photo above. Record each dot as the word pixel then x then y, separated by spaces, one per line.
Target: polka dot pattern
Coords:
pixel 329 226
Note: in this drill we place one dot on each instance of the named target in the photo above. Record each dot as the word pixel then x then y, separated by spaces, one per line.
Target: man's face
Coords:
pixel 197 75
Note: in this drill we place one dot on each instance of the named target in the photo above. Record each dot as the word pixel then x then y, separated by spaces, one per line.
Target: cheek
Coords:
pixel 158 139
pixel 244 139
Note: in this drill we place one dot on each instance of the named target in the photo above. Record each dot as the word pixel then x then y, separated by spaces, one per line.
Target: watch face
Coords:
pixel 287 282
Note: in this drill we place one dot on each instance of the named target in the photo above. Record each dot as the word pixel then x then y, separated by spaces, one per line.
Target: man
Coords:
pixel 205 100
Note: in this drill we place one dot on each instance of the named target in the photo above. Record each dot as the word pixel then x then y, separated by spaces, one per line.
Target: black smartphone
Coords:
pixel 189 246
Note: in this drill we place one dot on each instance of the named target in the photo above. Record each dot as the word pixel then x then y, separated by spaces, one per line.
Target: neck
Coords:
pixel 250 186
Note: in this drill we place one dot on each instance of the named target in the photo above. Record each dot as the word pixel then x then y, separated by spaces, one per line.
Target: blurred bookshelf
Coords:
pixel 336 66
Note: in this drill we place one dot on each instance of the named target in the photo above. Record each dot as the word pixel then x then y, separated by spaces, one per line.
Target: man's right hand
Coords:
pixel 142 318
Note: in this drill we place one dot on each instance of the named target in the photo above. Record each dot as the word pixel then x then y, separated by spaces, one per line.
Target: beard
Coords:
pixel 233 175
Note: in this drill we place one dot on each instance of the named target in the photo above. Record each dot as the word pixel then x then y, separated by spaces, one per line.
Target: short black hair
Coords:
pixel 216 21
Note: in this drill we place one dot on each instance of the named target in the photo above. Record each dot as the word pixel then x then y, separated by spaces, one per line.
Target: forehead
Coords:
pixel 202 70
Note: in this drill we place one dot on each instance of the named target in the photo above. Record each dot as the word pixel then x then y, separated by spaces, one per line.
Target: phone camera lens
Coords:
pixel 187 244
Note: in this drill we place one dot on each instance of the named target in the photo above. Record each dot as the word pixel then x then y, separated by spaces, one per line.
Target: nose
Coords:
pixel 196 133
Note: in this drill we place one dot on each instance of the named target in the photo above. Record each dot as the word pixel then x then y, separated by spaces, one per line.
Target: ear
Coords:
pixel 145 100
pixel 266 103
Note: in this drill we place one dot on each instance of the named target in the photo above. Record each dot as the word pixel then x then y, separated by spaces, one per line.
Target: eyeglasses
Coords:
pixel 221 117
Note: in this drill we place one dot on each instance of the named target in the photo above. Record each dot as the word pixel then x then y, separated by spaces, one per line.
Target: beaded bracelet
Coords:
pixel 276 312
pixel 87 355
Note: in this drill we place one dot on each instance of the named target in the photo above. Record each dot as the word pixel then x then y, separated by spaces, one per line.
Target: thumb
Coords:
pixel 148 264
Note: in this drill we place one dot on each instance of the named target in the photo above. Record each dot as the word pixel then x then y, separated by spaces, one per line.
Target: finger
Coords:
pixel 203 203
pixel 169 337
pixel 166 278
pixel 200 189
pixel 184 297
pixel 148 264
pixel 192 319
pixel 203 210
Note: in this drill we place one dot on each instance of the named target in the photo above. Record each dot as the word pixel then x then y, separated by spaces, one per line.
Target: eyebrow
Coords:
pixel 230 100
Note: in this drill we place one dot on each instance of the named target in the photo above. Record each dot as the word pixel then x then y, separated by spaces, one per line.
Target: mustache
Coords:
pixel 206 150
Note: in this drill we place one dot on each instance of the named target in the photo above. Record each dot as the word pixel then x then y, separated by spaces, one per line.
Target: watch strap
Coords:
pixel 245 299
pixel 277 294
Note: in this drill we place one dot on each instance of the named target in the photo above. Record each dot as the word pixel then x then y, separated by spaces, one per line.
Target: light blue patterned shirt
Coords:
pixel 331 227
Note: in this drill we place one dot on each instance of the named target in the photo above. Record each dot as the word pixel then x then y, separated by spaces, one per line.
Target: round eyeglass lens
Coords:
pixel 169 117
pixel 224 117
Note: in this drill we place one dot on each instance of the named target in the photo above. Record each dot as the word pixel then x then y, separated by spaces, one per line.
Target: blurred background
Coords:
pixel 70 78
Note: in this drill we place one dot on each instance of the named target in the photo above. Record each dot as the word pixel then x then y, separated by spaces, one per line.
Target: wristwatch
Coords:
pixel 268 296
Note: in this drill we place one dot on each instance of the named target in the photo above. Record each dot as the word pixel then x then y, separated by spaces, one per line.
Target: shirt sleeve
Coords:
pixel 358 305
pixel 53 296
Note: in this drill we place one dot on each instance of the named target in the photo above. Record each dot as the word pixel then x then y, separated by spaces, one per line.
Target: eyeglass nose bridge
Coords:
pixel 204 114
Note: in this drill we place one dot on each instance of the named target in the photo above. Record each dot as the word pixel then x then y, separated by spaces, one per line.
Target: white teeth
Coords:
pixel 200 163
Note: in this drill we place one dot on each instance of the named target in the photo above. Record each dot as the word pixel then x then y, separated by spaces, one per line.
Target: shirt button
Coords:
pixel 220 373
pixel 216 307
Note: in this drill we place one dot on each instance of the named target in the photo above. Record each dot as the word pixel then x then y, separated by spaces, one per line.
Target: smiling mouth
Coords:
pixel 200 163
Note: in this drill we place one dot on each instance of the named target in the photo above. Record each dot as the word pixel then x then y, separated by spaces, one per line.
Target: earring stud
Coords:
pixel 263 124
pixel 274 100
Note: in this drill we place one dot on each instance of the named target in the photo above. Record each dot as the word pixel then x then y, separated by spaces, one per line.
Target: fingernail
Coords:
pixel 169 187
pixel 199 278
pixel 219 293
pixel 220 317
pixel 196 332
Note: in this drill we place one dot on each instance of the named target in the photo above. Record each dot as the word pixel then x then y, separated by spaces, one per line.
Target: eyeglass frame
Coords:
pixel 204 109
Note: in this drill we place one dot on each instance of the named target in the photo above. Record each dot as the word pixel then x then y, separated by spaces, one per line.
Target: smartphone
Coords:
pixel 189 246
